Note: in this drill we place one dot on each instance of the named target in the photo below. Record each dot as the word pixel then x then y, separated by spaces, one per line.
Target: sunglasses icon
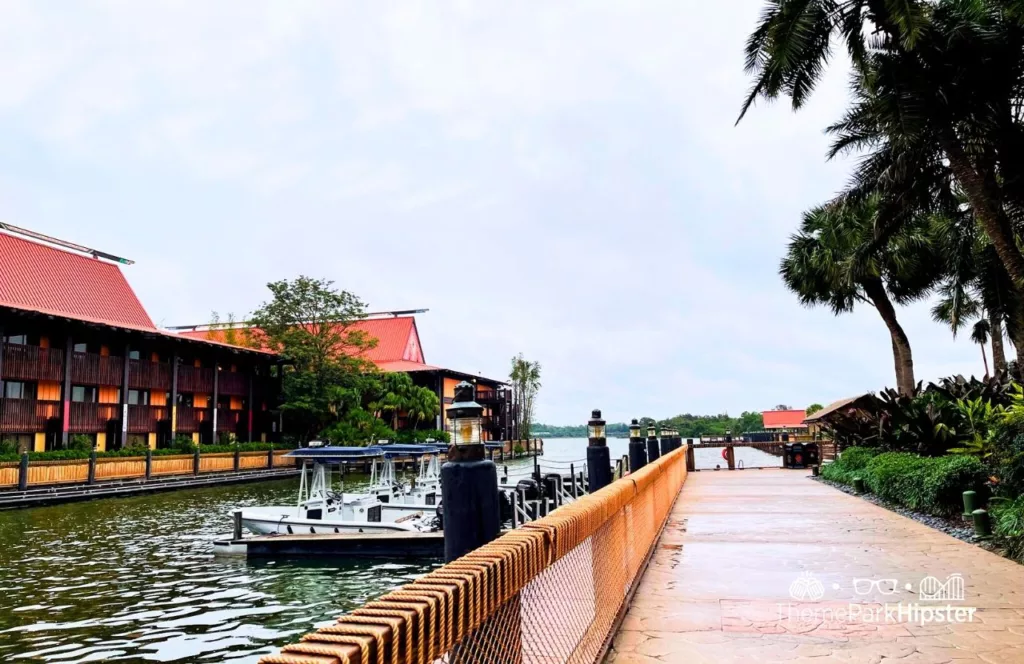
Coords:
pixel 883 586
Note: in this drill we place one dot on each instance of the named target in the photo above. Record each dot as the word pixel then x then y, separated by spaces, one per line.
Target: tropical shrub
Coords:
pixel 1008 525
pixel 946 479
pixel 929 484
pixel 81 443
pixel 849 464
pixel 422 436
pixel 897 477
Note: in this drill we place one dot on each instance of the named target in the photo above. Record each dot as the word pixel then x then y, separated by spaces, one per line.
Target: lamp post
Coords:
pixel 666 441
pixel 653 451
pixel 599 465
pixel 637 448
pixel 469 482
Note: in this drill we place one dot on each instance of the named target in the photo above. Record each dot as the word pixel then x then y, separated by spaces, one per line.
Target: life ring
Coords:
pixel 725 453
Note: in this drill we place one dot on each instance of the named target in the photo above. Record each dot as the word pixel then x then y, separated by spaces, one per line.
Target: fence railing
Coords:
pixel 96 369
pixel 33 363
pixel 550 591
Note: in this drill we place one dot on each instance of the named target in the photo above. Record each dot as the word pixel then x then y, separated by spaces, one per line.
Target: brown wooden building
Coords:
pixel 79 355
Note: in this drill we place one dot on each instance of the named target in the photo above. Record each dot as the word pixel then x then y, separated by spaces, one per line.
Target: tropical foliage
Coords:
pixel 329 389
pixel 525 380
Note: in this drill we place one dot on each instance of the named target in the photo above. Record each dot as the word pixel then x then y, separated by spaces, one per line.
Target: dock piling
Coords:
pixel 637 448
pixel 237 532
pixel 23 472
pixel 92 468
pixel 598 457
pixel 149 464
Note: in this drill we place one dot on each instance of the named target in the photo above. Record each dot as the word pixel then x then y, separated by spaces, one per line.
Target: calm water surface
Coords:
pixel 135 579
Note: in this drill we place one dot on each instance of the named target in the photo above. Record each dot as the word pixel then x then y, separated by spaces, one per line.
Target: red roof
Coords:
pixel 783 419
pixel 402 366
pixel 397 341
pixel 36 277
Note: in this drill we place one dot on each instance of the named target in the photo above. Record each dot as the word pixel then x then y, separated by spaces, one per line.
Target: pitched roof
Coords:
pixel 783 419
pixel 37 277
pixel 397 340
pixel 836 406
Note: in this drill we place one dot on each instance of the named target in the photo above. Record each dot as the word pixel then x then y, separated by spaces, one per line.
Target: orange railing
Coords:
pixel 548 592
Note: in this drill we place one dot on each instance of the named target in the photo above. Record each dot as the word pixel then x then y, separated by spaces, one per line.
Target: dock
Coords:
pixel 54 494
pixel 386 545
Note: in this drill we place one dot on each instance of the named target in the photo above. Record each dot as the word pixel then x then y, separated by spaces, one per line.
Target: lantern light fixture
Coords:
pixel 466 416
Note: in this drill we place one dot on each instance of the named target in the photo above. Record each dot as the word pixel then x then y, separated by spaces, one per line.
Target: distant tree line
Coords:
pixel 689 426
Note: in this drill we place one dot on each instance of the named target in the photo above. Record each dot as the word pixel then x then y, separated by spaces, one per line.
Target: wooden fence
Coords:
pixel 76 471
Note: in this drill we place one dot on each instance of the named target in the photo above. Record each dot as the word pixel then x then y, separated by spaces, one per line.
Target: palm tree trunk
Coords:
pixel 905 382
pixel 998 353
pixel 984 359
pixel 988 210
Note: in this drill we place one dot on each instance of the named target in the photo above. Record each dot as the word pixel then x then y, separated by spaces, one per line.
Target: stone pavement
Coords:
pixel 770 566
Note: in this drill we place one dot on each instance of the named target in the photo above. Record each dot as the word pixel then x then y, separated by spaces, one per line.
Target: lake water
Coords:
pixel 135 579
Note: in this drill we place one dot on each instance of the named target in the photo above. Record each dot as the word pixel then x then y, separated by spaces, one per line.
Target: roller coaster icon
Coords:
pixel 933 590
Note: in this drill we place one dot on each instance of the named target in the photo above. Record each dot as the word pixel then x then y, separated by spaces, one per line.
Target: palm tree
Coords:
pixel 974 284
pixel 832 261
pixel 939 86
pixel 980 335
pixel 525 378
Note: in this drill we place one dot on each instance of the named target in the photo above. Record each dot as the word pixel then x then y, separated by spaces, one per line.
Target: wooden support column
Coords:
pixel 174 397
pixel 250 404
pixel 65 424
pixel 124 397
pixel 216 389
pixel 2 388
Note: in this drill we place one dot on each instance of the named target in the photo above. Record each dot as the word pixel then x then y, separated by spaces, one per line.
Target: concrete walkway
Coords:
pixel 770 566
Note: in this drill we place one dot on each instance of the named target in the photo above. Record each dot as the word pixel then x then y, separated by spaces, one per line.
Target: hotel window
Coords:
pixel 80 348
pixel 16 389
pixel 17 339
pixel 133 355
pixel 83 393
pixel 138 397
pixel 184 400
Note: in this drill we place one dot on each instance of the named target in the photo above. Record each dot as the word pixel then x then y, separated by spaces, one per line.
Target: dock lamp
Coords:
pixel 469 481
pixel 637 448
pixel 653 451
pixel 666 441
pixel 599 467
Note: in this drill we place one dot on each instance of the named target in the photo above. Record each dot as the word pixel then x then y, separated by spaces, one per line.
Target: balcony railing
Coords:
pixel 228 420
pixel 144 375
pixel 26 415
pixel 94 369
pixel 232 383
pixel 33 363
pixel 91 417
pixel 195 379
pixel 190 419
pixel 144 419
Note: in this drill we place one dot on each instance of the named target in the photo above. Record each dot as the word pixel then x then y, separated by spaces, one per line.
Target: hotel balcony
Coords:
pixel 145 419
pixel 27 415
pixel 232 384
pixel 195 379
pixel 143 375
pixel 33 363
pixel 94 369
pixel 91 417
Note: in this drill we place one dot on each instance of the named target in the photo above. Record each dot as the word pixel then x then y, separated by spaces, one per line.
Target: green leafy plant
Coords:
pixel 80 443
pixel 849 464
pixel 1008 525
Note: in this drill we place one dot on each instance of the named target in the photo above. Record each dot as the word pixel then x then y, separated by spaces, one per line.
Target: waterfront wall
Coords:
pixel 76 471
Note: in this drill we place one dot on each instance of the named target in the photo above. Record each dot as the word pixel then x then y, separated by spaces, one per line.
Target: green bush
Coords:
pixel 80 443
pixel 421 436
pixel 1008 525
pixel 850 464
pixel 929 484
pixel 897 477
pixel 946 478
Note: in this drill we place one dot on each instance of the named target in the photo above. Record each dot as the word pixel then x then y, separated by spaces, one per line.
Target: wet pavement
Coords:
pixel 771 566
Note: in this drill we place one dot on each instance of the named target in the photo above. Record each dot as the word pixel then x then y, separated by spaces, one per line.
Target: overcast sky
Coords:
pixel 561 179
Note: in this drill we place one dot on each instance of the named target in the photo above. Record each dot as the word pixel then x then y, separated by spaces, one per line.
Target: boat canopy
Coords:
pixel 331 454
pixel 397 449
pixel 494 445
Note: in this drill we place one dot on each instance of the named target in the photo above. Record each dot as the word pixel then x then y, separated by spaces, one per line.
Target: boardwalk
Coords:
pixel 744 556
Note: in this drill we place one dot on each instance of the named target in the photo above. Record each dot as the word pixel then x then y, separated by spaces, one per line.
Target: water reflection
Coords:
pixel 135 580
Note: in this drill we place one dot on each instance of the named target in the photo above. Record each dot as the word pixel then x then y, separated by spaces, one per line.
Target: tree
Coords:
pixel 833 260
pixel 525 379
pixel 975 285
pixel 307 321
pixel 783 406
pixel 937 85
pixel 397 394
pixel 812 409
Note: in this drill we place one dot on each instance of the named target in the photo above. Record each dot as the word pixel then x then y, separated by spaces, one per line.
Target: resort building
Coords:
pixel 398 349
pixel 79 356
pixel 783 424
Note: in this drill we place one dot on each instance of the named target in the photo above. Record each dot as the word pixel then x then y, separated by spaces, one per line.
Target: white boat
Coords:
pixel 388 506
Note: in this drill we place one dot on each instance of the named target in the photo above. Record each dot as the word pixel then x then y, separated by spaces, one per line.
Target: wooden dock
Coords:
pixel 386 545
